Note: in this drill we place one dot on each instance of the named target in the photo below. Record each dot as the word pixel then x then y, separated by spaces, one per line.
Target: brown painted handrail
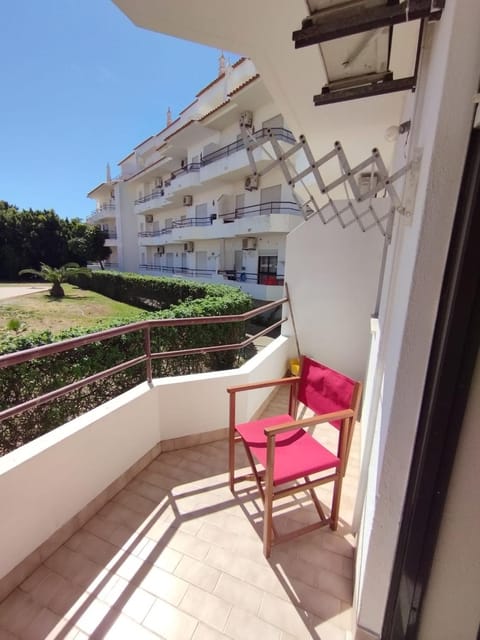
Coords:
pixel 19 357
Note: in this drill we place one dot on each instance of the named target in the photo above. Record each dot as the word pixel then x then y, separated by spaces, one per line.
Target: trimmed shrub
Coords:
pixel 32 379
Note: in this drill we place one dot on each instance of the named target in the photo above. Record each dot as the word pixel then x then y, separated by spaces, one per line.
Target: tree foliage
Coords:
pixel 29 238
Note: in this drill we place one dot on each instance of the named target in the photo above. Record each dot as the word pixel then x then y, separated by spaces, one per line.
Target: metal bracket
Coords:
pixel 367 208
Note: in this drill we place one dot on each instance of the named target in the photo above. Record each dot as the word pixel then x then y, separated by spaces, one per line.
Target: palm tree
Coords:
pixel 57 275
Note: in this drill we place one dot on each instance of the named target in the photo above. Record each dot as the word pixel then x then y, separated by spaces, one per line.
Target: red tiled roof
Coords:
pixel 143 142
pixel 132 153
pixel 168 126
pixel 95 188
pixel 209 113
pixel 188 107
pixel 144 169
pixel 239 62
pixel 210 85
pixel 244 84
pixel 187 124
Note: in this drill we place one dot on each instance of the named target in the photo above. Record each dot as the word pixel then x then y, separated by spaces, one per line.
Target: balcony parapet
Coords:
pixel 262 209
pixel 280 133
pixel 162 194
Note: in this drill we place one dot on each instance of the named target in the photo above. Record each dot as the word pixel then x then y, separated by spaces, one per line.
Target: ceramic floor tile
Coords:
pixel 206 607
pixel 176 556
pixel 197 573
pixel 242 625
pixel 239 593
pixel 169 622
pixel 46 625
pixel 204 632
pixel 17 612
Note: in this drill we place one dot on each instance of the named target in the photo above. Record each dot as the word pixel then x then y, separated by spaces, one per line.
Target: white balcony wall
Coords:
pixel 126 228
pixel 235 162
pixel 182 182
pixel 442 103
pixel 37 502
pixel 332 275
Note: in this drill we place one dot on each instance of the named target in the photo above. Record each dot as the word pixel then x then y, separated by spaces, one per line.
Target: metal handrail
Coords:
pixel 192 222
pixel 102 208
pixel 153 234
pixel 27 355
pixel 280 134
pixel 265 208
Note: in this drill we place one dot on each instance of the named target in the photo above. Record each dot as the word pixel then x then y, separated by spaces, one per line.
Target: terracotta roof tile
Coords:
pixel 244 84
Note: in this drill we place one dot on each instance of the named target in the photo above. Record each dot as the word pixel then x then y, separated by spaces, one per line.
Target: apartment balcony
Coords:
pixel 182 180
pixel 233 160
pixel 114 536
pixel 111 240
pixel 258 286
pixel 104 212
pixel 212 167
pixel 267 217
pixel 155 200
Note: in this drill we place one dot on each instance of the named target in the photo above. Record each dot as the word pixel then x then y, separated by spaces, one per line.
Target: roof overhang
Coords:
pixel 356 40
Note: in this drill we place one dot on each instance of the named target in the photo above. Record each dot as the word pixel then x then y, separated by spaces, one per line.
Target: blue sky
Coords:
pixel 81 86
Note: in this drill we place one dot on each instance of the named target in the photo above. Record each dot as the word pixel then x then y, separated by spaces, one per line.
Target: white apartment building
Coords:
pixel 184 203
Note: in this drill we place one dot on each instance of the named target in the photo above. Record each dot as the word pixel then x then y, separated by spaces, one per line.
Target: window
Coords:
pixel 267 269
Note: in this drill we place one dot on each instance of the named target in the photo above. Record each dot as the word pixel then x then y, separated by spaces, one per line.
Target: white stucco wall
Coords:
pixel 442 121
pixel 332 275
pixel 46 482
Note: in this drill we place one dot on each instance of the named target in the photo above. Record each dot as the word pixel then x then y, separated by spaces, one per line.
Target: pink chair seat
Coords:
pixel 297 454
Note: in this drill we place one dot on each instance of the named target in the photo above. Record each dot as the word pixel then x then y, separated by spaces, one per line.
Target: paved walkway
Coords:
pixel 21 290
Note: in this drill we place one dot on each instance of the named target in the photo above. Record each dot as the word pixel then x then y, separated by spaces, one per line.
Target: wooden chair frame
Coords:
pixel 264 480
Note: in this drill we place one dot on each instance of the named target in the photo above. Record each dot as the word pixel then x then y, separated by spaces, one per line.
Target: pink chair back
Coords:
pixel 324 390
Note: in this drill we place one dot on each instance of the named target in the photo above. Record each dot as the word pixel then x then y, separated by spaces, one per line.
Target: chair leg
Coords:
pixel 268 518
pixel 231 459
pixel 337 492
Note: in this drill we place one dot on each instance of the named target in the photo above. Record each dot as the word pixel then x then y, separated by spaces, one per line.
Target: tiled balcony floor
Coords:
pixel 174 555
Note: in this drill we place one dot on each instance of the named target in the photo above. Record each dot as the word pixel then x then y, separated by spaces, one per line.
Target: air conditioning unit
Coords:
pixel 161 250
pixel 188 246
pixel 187 201
pixel 248 244
pixel 149 218
pixel 367 182
pixel 158 183
pixel 246 119
pixel 251 182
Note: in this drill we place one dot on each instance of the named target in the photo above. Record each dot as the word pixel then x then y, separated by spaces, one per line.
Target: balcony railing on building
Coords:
pixel 261 209
pixel 229 274
pixel 104 208
pixel 281 134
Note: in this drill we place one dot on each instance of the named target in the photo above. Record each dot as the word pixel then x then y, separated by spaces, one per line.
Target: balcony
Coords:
pixel 266 217
pixel 227 159
pixel 191 175
pixel 153 200
pixel 152 542
pixel 103 212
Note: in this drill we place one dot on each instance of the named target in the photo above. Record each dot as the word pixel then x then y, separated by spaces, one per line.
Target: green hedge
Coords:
pixel 31 379
pixel 145 292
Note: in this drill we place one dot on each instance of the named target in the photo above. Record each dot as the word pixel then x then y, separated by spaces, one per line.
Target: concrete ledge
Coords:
pixel 27 566
pixel 53 485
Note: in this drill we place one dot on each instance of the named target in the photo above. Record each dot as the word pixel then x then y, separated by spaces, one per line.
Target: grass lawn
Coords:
pixel 79 308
